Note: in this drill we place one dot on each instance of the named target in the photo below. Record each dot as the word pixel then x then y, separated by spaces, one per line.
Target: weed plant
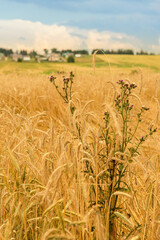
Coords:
pixel 112 164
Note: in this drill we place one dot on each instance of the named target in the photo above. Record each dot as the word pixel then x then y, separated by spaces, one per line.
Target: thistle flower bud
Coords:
pixel 142 139
pixel 145 108
pixel 71 74
pixel 51 78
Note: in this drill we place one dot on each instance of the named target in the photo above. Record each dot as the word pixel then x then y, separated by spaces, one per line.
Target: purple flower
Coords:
pixel 121 82
pixel 132 85
pixel 51 78
pixel 130 108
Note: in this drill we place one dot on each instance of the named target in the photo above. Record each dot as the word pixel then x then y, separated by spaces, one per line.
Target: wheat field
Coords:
pixel 44 191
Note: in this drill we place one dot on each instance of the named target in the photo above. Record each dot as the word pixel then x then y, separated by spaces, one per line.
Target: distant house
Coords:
pixel 77 55
pixel 1 56
pixel 54 57
pixel 41 59
pixel 67 54
pixel 16 57
pixel 26 58
pixel 70 54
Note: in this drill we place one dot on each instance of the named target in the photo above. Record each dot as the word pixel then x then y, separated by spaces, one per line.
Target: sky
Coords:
pixel 80 24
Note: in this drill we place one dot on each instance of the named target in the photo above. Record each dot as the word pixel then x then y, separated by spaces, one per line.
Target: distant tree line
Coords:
pixel 144 53
pixel 6 52
pixel 33 53
pixel 9 52
pixel 121 51
pixel 83 51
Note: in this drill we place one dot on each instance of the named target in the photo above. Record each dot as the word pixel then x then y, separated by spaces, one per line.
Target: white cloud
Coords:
pixel 156 48
pixel 21 34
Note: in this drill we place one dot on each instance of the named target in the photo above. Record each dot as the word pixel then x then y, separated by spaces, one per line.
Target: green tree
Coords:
pixel 54 50
pixel 23 52
pixel 70 59
pixel 45 51
pixel 33 54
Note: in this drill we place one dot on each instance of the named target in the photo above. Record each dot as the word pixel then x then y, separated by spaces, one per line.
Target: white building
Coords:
pixel 77 55
pixel 26 58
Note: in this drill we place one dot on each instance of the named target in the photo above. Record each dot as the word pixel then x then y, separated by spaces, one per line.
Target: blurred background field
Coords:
pixel 121 63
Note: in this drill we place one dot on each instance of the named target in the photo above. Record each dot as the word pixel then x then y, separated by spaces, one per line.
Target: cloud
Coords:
pixel 21 34
pixel 156 48
pixel 138 18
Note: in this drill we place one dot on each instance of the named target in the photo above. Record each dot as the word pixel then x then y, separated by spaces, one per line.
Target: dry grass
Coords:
pixel 43 191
